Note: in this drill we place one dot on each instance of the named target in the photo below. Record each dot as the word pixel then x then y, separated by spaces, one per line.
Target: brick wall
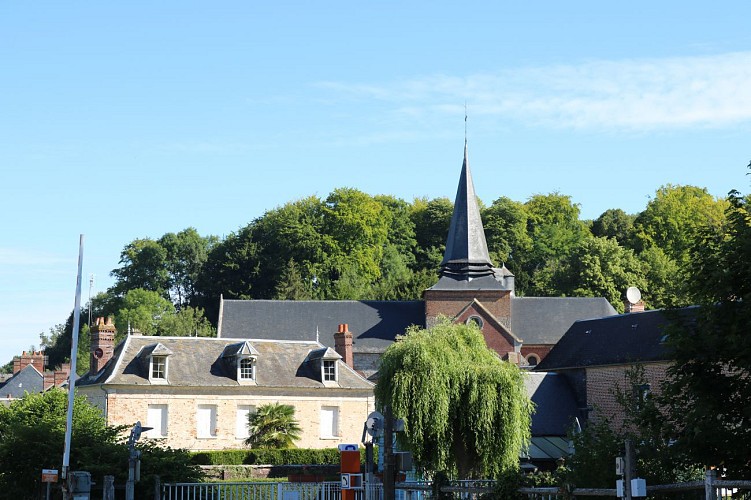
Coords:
pixel 603 382
pixel 451 302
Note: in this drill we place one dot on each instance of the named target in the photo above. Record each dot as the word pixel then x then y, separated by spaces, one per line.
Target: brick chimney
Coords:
pixel 38 359
pixel 633 307
pixel 102 343
pixel 343 344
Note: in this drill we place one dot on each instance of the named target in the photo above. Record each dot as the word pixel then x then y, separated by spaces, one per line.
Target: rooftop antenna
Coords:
pixel 91 285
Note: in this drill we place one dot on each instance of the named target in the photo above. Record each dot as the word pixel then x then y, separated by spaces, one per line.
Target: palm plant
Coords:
pixel 273 426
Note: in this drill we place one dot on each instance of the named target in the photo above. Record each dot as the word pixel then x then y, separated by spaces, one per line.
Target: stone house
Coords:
pixel 196 393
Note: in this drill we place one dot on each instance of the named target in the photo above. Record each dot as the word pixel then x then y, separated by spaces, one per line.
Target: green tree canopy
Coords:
pixel 273 426
pixel 464 409
pixel 709 388
pixel 142 310
pixel 32 435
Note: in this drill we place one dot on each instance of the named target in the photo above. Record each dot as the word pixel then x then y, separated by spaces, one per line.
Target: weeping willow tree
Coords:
pixel 465 411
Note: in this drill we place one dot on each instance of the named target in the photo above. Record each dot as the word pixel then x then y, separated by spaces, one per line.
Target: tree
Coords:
pixel 187 322
pixel 554 226
pixel 32 435
pixel 465 411
pixel 709 388
pixel 600 267
pixel 614 223
pixel 143 265
pixel 273 426
pixel 142 310
pixel 186 253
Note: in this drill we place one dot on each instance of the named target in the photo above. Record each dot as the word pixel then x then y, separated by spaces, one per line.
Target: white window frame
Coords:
pixel 153 364
pixel 240 377
pixel 160 428
pixel 326 363
pixel 206 429
pixel 329 422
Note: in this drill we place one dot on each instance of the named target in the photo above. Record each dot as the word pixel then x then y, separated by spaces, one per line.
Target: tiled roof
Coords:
pixel 544 320
pixel 555 404
pixel 27 380
pixel 374 324
pixel 199 362
pixel 615 340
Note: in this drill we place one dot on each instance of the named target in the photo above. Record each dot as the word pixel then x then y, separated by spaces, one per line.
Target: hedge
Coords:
pixel 270 456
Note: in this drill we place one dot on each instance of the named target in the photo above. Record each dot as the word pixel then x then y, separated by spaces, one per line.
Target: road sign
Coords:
pixel 49 475
pixel 349 447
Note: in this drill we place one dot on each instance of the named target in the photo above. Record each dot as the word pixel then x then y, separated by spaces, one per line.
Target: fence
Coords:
pixel 709 489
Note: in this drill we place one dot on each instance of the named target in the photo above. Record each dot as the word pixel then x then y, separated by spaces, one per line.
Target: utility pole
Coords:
pixel 629 472
pixel 389 490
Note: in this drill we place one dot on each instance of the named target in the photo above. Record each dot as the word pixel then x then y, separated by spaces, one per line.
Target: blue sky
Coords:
pixel 122 120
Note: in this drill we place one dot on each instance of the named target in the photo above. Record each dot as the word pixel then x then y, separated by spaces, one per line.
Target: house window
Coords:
pixel 156 418
pixel 476 320
pixel 241 422
pixel 329 370
pixel 206 421
pixel 159 367
pixel 532 359
pixel 329 422
pixel 247 369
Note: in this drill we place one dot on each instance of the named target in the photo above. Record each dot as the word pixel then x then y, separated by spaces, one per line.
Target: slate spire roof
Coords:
pixel 466 255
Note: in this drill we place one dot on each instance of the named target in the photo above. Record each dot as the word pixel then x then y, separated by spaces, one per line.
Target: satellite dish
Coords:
pixel 633 295
pixel 374 424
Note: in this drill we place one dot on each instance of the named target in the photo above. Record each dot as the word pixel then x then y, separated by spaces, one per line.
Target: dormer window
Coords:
pixel 159 367
pixel 157 356
pixel 247 369
pixel 329 370
pixel 240 361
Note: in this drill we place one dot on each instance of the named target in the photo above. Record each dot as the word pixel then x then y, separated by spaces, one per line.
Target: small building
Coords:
pixel 197 392
pixel 29 376
pixel 596 356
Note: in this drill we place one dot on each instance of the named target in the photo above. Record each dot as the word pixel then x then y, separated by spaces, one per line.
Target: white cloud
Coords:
pixel 644 94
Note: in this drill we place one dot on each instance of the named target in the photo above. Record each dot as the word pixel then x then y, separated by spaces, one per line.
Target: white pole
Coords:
pixel 73 352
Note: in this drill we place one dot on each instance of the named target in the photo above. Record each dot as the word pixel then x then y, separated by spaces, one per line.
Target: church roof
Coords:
pixel 544 320
pixel 374 324
pixel 466 255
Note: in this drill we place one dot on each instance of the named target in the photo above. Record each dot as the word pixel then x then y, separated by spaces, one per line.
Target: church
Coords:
pixel 521 330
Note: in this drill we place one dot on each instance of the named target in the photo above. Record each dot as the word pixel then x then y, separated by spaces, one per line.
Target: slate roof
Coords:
pixel 466 254
pixel 544 320
pixel 555 404
pixel 374 324
pixel 199 362
pixel 615 340
pixel 27 380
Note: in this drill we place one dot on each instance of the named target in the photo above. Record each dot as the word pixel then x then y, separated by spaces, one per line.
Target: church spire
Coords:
pixel 466 254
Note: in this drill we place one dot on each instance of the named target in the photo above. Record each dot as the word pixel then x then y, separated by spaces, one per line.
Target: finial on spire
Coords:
pixel 465 122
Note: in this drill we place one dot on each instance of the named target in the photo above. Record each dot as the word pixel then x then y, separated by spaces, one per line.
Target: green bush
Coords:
pixel 270 456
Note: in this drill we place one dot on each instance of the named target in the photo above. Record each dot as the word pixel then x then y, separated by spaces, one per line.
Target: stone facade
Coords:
pixel 126 406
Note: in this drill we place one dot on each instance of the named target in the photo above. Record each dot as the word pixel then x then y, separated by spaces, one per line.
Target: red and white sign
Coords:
pixel 49 475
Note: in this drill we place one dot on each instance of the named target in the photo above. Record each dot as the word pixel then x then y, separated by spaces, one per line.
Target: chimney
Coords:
pixel 62 374
pixel 102 343
pixel 630 307
pixel 38 359
pixel 49 380
pixel 343 344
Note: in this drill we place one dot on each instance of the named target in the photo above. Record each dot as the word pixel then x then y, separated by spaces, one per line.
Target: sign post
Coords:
pixel 49 476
